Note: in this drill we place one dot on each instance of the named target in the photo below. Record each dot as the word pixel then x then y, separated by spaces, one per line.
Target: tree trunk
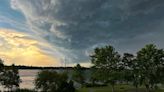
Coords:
pixel 148 88
pixel 136 88
pixel 153 87
pixel 113 88
pixel 93 82
pixel 127 82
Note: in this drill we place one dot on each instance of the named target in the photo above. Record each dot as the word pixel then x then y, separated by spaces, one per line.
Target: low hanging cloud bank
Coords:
pixel 76 27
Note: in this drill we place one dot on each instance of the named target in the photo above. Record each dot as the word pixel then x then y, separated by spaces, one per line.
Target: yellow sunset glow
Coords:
pixel 17 48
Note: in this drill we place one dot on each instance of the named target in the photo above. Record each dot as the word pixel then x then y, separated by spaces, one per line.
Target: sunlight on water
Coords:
pixel 27 77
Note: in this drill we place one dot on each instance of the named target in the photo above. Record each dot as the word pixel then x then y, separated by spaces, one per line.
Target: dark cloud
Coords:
pixel 78 25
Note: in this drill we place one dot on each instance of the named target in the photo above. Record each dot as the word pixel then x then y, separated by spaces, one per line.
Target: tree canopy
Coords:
pixel 106 62
pixel 146 68
pixel 52 81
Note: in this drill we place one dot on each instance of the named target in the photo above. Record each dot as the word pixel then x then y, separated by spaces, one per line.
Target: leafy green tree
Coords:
pixel 11 78
pixel 106 61
pixel 66 87
pixel 136 76
pixel 94 75
pixel 78 74
pixel 47 81
pixel 127 67
pixel 131 69
pixel 151 61
pixel 51 81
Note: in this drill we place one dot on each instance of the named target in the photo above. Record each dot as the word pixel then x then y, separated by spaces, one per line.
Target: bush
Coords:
pixel 52 81
pixel 24 90
pixel 95 85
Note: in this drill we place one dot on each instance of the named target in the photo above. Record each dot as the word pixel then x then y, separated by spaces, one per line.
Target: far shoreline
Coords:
pixel 23 67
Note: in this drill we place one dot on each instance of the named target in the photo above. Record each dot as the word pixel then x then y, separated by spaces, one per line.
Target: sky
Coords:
pixel 51 32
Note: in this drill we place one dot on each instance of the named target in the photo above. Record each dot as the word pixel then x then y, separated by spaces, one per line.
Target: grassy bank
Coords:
pixel 118 88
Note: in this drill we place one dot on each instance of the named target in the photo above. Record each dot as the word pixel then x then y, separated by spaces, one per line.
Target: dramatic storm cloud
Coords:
pixel 75 27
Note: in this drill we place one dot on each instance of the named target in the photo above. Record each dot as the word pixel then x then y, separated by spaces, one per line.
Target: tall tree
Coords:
pixel 131 69
pixel 151 60
pixel 106 61
pixel 127 66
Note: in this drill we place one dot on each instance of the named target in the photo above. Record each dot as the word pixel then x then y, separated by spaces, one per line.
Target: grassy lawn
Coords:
pixel 118 88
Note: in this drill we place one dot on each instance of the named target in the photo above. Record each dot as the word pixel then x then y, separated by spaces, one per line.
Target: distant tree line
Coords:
pixel 43 68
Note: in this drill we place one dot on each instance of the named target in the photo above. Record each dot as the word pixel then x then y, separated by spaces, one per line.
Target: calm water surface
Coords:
pixel 27 77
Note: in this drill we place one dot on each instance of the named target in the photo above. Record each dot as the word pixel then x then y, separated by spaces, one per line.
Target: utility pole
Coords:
pixel 65 62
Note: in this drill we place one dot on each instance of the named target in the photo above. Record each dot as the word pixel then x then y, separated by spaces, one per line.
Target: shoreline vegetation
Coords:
pixel 111 72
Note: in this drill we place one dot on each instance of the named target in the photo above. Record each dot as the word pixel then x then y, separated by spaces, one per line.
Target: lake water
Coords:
pixel 27 77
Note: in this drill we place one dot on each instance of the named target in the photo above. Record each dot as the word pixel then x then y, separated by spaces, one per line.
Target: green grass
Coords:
pixel 118 88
